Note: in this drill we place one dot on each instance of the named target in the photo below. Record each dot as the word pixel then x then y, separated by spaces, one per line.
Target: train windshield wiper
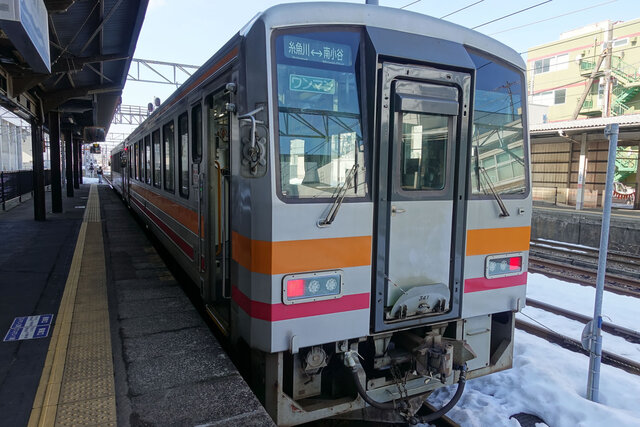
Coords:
pixel 481 172
pixel 338 198
pixel 485 175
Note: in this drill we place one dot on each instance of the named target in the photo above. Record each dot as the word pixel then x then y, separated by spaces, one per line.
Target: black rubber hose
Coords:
pixel 362 392
pixel 446 408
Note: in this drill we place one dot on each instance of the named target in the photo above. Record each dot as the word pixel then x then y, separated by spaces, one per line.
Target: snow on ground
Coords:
pixel 548 381
pixel 618 309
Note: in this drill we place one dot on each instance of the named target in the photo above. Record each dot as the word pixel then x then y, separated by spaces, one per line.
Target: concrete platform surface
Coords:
pixel 163 364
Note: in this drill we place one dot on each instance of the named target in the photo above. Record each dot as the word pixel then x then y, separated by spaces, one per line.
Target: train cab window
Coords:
pixel 498 143
pixel 147 159
pixel 168 149
pixel 196 133
pixel 424 151
pixel 157 157
pixel 183 155
pixel 320 131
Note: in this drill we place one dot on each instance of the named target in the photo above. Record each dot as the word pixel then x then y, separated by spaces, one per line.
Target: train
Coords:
pixel 348 187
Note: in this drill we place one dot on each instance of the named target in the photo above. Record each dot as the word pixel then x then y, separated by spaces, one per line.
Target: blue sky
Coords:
pixel 190 31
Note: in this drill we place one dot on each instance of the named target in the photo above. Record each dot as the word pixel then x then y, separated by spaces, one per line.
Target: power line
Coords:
pixel 553 17
pixel 511 14
pixel 595 32
pixel 412 3
pixel 569 60
pixel 461 9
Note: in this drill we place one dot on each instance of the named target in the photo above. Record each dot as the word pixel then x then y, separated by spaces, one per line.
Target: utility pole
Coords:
pixel 595 333
pixel 606 108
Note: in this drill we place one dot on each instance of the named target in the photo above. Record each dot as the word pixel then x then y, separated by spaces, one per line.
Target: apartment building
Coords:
pixel 577 67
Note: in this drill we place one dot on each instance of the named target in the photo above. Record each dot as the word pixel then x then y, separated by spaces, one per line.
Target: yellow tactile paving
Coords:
pixel 76 387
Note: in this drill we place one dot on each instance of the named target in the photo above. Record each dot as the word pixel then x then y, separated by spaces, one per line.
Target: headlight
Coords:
pixel 308 287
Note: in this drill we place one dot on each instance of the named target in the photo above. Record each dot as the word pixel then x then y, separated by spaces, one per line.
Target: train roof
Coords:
pixel 330 13
pixel 325 13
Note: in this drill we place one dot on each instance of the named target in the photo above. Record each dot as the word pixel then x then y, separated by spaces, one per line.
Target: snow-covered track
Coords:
pixel 608 358
pixel 626 333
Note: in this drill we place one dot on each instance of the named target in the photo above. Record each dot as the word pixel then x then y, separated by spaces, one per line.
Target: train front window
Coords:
pixel 498 151
pixel 320 131
pixel 424 151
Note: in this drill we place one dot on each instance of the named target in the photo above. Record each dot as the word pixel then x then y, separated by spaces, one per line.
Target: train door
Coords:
pixel 419 203
pixel 218 168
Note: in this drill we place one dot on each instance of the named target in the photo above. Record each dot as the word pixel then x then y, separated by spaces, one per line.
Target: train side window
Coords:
pixel 136 153
pixel 196 133
pixel 157 157
pixel 168 149
pixel 147 159
pixel 131 171
pixel 183 155
pixel 140 160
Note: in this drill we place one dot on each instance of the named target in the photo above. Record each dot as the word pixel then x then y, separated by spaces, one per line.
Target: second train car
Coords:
pixel 348 186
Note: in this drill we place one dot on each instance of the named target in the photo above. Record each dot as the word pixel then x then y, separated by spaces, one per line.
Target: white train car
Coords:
pixel 348 185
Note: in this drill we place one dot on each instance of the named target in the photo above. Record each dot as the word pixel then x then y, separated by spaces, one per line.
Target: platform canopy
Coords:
pixel 90 46
pixel 555 132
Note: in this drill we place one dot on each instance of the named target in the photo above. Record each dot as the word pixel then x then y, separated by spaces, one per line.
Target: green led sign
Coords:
pixel 317 51
pixel 312 84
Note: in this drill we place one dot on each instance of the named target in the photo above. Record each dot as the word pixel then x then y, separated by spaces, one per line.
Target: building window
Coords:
pixel 542 66
pixel 620 42
pixel 157 157
pixel 183 153
pixel 543 98
pixel 550 97
pixel 168 149
pixel 561 62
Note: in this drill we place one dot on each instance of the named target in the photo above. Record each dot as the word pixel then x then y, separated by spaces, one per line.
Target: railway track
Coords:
pixel 571 250
pixel 619 284
pixel 618 264
pixel 608 358
pixel 628 334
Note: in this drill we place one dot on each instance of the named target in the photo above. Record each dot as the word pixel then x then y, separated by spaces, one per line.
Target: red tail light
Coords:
pixel 515 263
pixel 295 288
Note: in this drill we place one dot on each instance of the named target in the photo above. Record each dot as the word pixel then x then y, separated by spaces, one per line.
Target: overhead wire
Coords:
pixel 412 3
pixel 568 61
pixel 553 17
pixel 591 33
pixel 511 14
pixel 461 9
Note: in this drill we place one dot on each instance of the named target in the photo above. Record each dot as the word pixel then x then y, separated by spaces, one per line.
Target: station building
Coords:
pixel 588 78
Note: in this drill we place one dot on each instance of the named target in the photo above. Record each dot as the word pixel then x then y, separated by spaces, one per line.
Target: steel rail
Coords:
pixel 615 283
pixel 626 333
pixel 559 247
pixel 608 358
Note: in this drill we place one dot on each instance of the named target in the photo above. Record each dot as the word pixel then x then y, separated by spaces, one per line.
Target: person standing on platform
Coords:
pixel 91 170
pixel 99 172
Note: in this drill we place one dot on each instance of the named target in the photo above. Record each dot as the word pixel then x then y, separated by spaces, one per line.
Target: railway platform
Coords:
pixel 125 345
pixel 566 224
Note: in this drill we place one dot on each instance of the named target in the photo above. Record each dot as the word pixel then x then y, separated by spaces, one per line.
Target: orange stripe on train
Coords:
pixel 497 240
pixel 294 256
pixel 185 216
